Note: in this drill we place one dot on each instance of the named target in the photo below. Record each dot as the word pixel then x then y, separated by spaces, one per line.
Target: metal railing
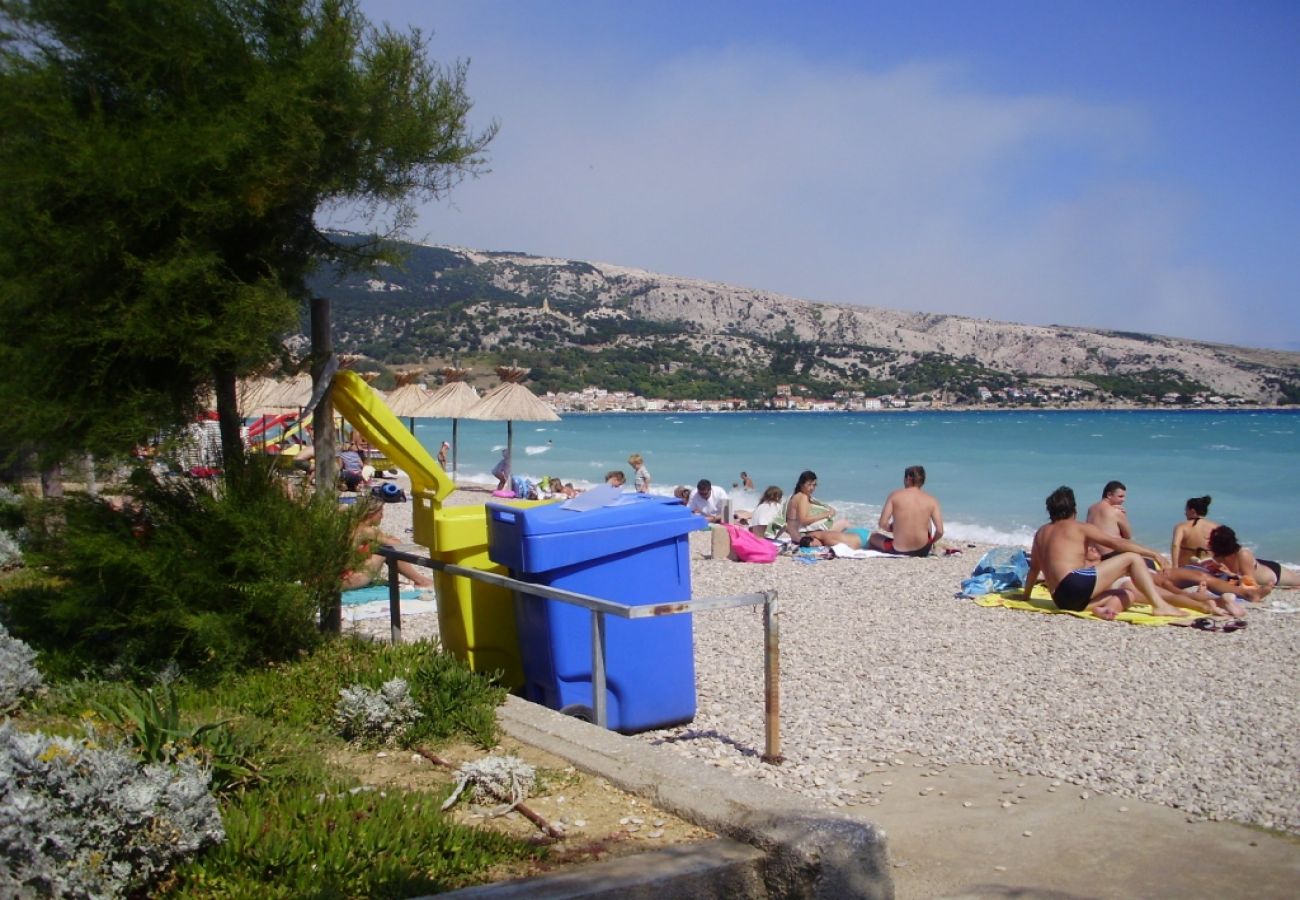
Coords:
pixel 599 608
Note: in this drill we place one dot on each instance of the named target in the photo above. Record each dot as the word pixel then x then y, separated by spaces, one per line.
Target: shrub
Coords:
pixel 374 718
pixel 11 552
pixel 78 821
pixel 18 677
pixel 454 700
pixel 150 723
pixel 211 579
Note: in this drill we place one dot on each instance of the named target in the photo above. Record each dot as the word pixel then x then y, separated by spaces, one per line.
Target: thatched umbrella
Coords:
pixel 408 399
pixel 452 401
pixel 510 400
pixel 255 392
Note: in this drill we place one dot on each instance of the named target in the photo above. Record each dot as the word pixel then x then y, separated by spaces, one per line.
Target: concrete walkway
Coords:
pixel 943 833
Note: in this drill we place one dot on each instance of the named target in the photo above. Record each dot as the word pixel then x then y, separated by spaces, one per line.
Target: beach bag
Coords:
pixel 749 547
pixel 1001 569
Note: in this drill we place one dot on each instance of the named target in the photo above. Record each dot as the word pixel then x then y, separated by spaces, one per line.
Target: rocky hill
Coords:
pixel 580 323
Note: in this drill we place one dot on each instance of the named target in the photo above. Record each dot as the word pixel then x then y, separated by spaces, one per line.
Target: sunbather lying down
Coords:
pixel 374 567
pixel 860 539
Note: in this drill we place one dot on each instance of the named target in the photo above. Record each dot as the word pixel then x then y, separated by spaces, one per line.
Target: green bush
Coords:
pixel 453 701
pixel 210 577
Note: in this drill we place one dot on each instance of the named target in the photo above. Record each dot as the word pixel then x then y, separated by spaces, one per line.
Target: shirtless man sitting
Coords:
pixel 911 521
pixel 1060 554
pixel 1109 513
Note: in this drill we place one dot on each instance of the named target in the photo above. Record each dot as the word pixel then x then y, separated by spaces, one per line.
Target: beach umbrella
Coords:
pixel 511 401
pixel 408 400
pixel 452 401
pixel 292 394
pixel 255 394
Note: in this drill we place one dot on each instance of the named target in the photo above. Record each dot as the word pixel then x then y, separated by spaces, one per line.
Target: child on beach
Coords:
pixel 640 474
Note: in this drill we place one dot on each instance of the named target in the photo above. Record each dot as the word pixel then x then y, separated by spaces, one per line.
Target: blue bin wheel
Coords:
pixel 579 711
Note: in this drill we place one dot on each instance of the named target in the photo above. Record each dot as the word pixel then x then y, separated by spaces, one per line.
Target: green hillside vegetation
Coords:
pixel 575 325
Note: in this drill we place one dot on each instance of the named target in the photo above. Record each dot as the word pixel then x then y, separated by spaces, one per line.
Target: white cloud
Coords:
pixel 909 188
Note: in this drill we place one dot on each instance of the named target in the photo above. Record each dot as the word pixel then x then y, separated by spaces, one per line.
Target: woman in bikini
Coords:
pixel 373 567
pixel 1230 560
pixel 1192 537
pixel 804 514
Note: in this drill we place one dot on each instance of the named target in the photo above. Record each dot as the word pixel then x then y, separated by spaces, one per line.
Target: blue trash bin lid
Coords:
pixel 542 538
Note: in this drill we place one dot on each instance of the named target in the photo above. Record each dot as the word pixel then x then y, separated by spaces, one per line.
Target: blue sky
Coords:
pixel 1114 165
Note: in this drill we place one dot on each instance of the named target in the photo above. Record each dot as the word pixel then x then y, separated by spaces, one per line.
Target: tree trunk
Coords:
pixel 232 444
pixel 322 347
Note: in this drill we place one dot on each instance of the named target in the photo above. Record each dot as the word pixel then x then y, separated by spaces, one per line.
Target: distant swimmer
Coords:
pixel 442 454
pixel 911 522
pixel 1060 555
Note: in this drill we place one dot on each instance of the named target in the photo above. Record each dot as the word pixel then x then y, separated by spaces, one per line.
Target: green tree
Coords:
pixel 164 162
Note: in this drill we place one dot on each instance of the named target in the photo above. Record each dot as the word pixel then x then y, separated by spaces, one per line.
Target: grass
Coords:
pixel 294 826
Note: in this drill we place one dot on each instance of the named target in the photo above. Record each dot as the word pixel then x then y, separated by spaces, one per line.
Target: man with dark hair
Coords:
pixel 1109 513
pixel 911 521
pixel 1060 554
pixel 708 501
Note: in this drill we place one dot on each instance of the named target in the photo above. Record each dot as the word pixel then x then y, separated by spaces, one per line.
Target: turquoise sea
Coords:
pixel 990 470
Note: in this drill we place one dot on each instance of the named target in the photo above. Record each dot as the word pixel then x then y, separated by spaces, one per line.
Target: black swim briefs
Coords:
pixel 921 551
pixel 1075 590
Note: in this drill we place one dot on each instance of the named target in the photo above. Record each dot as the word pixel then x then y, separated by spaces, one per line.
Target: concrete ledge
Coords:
pixel 807 852
pixel 716 868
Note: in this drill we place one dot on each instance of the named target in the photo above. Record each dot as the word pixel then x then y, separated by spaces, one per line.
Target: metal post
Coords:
pixel 394 602
pixel 598 669
pixel 772 681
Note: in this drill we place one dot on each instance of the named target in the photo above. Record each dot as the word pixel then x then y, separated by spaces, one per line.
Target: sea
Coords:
pixel 990 470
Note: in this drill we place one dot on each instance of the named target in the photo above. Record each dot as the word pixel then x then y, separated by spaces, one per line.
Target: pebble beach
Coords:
pixel 882 666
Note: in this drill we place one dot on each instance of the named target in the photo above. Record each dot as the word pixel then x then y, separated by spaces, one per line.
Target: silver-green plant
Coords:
pixel 81 821
pixel 370 717
pixel 11 551
pixel 18 676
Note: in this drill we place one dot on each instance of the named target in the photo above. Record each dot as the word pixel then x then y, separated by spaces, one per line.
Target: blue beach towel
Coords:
pixel 373 594
pixel 1001 569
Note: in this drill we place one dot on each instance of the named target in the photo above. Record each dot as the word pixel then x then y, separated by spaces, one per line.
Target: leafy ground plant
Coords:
pixel 332 841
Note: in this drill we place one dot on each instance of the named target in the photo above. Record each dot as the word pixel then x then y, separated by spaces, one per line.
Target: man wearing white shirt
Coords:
pixel 708 501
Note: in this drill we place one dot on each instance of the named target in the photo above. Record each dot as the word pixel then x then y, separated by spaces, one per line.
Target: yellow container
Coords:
pixel 476 620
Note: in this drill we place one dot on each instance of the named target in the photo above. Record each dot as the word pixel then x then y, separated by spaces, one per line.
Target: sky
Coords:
pixel 1121 165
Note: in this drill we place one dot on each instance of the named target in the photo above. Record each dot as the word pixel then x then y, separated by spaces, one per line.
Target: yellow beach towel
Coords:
pixel 1041 601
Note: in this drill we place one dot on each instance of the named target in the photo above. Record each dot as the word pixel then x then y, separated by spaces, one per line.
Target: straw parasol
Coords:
pixel 254 394
pixel 408 399
pixel 452 401
pixel 292 394
pixel 511 401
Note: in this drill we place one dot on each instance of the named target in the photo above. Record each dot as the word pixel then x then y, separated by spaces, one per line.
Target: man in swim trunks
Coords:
pixel 911 521
pixel 1060 554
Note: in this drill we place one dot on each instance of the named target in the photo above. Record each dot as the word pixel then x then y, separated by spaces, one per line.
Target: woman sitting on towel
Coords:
pixel 804 514
pixel 373 567
pixel 1231 560
pixel 1192 536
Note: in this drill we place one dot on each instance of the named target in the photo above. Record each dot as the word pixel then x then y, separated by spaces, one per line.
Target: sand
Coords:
pixel 885 674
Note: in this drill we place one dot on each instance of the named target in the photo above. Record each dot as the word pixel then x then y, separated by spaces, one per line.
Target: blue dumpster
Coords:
pixel 635 551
